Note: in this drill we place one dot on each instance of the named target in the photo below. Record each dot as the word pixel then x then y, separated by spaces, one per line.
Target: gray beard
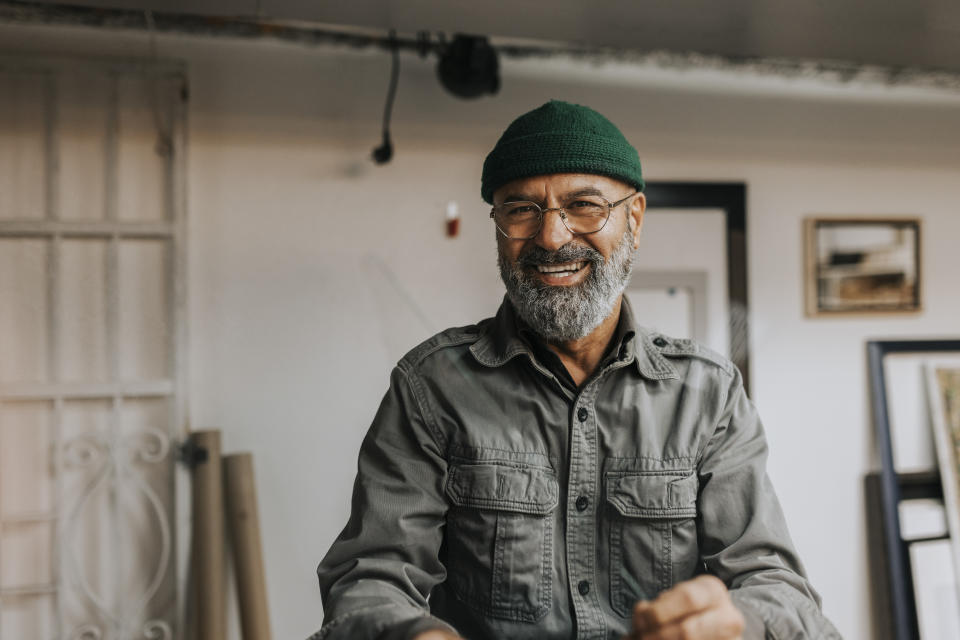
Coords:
pixel 561 314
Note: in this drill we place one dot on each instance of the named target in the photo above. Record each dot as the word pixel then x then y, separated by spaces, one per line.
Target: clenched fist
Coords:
pixel 436 635
pixel 698 609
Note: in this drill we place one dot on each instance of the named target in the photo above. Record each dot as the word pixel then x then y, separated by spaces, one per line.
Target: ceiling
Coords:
pixel 917 34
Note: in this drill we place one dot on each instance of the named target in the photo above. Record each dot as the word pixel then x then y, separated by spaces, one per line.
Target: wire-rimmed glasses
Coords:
pixel 581 215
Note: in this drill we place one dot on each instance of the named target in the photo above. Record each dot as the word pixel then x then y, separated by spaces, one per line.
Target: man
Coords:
pixel 558 471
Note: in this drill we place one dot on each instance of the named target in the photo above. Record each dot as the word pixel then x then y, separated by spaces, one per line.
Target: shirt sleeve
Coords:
pixel 377 575
pixel 743 534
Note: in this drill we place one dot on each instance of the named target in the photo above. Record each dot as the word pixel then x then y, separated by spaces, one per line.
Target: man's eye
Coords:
pixel 584 207
pixel 520 209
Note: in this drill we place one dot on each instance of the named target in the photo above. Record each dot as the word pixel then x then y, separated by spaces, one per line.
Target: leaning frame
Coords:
pixel 943 416
pixel 903 611
pixel 731 198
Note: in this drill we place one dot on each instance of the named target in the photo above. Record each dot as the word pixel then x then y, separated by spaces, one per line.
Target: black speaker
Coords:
pixel 468 67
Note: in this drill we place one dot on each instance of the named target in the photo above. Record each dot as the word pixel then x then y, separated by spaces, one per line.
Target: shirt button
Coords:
pixel 582 414
pixel 660 342
pixel 582 503
pixel 583 587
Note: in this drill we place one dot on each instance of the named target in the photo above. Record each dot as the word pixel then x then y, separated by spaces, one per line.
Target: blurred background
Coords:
pixel 194 234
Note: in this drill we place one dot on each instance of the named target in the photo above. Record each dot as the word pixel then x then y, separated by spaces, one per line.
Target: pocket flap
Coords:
pixel 532 490
pixel 653 494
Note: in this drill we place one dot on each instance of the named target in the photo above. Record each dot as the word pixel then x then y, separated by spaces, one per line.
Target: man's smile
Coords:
pixel 562 274
pixel 561 269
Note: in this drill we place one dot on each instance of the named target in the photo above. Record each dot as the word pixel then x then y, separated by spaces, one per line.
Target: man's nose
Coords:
pixel 553 232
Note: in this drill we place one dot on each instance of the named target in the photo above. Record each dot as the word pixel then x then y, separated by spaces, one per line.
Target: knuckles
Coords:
pixel 702 594
pixel 713 584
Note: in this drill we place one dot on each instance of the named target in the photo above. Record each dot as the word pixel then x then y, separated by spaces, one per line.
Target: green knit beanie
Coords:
pixel 560 137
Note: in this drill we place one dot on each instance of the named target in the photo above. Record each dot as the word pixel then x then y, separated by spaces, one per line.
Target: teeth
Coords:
pixel 562 268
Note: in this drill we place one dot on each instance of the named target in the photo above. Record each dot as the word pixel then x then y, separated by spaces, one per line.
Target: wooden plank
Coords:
pixel 208 531
pixel 243 520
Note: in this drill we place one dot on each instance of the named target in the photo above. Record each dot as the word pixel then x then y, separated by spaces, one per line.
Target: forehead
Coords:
pixel 537 188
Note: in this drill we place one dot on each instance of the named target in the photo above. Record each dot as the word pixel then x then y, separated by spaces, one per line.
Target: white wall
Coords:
pixel 312 271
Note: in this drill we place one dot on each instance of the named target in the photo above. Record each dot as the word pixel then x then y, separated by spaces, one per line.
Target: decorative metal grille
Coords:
pixel 91 325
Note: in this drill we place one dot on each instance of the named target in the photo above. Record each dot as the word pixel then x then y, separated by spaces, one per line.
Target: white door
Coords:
pixel 91 298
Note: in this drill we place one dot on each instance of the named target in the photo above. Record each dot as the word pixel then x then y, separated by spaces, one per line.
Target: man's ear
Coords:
pixel 635 217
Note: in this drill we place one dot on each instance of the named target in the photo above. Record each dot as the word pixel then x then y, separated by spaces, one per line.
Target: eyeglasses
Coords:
pixel 581 215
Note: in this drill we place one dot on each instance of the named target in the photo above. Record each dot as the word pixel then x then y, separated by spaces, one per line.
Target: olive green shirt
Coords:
pixel 495 498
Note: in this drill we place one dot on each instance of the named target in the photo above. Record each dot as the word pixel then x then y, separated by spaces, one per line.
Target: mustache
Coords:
pixel 567 253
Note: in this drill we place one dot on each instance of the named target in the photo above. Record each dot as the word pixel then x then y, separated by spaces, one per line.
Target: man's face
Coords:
pixel 567 304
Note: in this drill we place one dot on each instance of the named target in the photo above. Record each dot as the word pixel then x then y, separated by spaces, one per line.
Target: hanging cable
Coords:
pixel 383 153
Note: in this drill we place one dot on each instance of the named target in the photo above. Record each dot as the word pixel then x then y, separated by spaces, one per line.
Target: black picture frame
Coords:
pixel 912 486
pixel 892 487
pixel 731 198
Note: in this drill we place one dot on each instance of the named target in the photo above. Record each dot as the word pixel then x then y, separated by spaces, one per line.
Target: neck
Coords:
pixel 581 357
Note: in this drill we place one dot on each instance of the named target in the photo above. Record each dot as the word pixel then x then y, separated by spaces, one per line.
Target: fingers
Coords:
pixel 710 624
pixel 436 634
pixel 683 600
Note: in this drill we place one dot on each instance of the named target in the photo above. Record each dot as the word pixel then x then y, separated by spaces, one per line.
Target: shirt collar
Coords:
pixel 502 339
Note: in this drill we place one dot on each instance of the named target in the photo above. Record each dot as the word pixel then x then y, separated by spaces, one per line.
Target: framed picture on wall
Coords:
pixel 862 265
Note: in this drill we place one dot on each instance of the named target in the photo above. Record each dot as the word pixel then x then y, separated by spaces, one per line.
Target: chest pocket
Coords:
pixel 499 538
pixel 653 533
